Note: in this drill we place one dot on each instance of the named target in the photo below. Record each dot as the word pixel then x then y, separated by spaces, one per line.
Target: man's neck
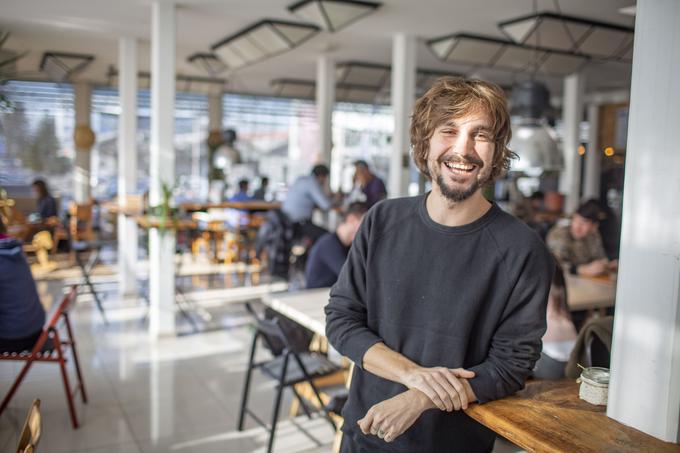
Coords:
pixel 447 213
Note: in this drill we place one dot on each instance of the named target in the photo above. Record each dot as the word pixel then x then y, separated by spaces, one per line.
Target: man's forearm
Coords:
pixel 447 389
pixel 387 364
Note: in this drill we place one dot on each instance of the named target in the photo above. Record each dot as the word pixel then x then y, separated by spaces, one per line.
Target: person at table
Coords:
pixel 560 335
pixel 242 194
pixel 442 301
pixel 329 253
pixel 306 194
pixel 46 204
pixel 21 313
pixel 578 246
pixel 261 192
pixel 372 186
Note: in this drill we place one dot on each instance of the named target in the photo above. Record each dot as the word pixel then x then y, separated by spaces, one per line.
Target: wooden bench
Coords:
pixel 548 416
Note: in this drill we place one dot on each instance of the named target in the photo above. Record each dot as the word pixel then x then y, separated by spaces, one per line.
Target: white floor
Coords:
pixel 172 395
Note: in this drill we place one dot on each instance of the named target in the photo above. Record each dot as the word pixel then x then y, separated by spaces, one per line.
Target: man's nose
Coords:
pixel 464 145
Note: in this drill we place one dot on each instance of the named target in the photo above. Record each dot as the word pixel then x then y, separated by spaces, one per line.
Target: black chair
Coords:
pixel 86 265
pixel 293 365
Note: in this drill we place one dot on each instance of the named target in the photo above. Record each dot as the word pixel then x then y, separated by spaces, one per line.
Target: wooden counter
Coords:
pixel 548 416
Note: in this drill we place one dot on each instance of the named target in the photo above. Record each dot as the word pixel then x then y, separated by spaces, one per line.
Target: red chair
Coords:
pixel 50 347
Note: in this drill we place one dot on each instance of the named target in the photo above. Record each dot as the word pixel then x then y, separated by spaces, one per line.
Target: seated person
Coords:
pixel 306 194
pixel 261 192
pixel 46 204
pixel 21 314
pixel 372 186
pixel 239 217
pixel 560 336
pixel 242 194
pixel 578 246
pixel 329 253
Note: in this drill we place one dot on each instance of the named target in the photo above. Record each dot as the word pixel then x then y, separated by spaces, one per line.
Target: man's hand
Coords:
pixel 391 418
pixel 443 386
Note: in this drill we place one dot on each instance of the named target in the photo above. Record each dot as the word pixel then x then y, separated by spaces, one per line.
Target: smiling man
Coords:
pixel 443 297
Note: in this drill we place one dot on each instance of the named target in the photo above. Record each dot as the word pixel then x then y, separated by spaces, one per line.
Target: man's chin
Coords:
pixel 458 193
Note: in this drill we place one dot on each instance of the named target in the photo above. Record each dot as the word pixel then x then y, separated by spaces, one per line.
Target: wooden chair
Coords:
pixel 30 434
pixel 51 347
pixel 81 222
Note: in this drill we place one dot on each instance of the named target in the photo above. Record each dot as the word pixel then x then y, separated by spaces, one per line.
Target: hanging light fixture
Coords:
pixel 60 66
pixel 208 63
pixel 332 15
pixel 556 31
pixel 261 40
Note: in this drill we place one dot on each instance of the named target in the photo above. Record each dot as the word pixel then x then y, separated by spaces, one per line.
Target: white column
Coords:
pixel 572 114
pixel 162 242
pixel 83 109
pixel 591 186
pixel 403 93
pixel 127 164
pixel 644 390
pixel 325 98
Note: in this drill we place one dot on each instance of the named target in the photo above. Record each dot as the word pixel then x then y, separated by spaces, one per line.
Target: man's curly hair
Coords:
pixel 453 97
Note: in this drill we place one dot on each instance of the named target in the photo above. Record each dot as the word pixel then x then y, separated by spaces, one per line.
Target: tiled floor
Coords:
pixel 172 395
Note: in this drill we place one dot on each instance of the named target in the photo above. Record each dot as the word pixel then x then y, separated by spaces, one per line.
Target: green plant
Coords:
pixel 164 212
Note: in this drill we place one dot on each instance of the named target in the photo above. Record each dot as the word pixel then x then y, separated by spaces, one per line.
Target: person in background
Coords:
pixel 46 204
pixel 242 194
pixel 261 192
pixel 578 246
pixel 560 336
pixel 329 253
pixel 306 194
pixel 372 186
pixel 442 300
pixel 22 316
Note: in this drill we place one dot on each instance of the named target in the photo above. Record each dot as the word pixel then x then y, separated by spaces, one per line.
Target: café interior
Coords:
pixel 148 150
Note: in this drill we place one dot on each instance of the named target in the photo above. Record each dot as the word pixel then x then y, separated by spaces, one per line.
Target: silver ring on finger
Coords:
pixel 381 434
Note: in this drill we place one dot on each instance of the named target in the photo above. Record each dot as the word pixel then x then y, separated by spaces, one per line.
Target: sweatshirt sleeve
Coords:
pixel 516 343
pixel 346 312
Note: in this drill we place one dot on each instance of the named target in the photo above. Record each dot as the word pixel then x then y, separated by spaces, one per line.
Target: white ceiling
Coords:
pixel 93 26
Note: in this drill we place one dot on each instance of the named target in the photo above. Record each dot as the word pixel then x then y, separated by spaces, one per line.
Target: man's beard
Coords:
pixel 456 195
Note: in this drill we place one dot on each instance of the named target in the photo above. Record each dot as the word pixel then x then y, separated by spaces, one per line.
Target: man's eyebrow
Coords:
pixel 481 127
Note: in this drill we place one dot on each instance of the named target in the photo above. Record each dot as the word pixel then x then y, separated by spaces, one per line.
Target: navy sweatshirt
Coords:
pixel 21 313
pixel 472 296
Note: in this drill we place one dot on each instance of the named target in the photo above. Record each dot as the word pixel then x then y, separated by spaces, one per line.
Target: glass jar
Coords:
pixel 594 385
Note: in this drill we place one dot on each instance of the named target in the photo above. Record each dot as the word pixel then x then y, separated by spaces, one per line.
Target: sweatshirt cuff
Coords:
pixel 357 344
pixel 486 384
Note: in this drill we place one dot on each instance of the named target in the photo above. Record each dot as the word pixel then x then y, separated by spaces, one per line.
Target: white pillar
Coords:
pixel 403 93
pixel 644 390
pixel 127 164
pixel 572 114
pixel 591 186
pixel 162 242
pixel 83 109
pixel 325 98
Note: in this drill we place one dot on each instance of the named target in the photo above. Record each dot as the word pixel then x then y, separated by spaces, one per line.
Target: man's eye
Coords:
pixel 482 136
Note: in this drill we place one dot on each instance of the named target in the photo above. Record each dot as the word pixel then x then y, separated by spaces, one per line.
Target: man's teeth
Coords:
pixel 458 166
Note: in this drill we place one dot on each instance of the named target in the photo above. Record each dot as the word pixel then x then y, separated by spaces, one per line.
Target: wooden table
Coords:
pixel 548 416
pixel 304 307
pixel 254 205
pixel 586 293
